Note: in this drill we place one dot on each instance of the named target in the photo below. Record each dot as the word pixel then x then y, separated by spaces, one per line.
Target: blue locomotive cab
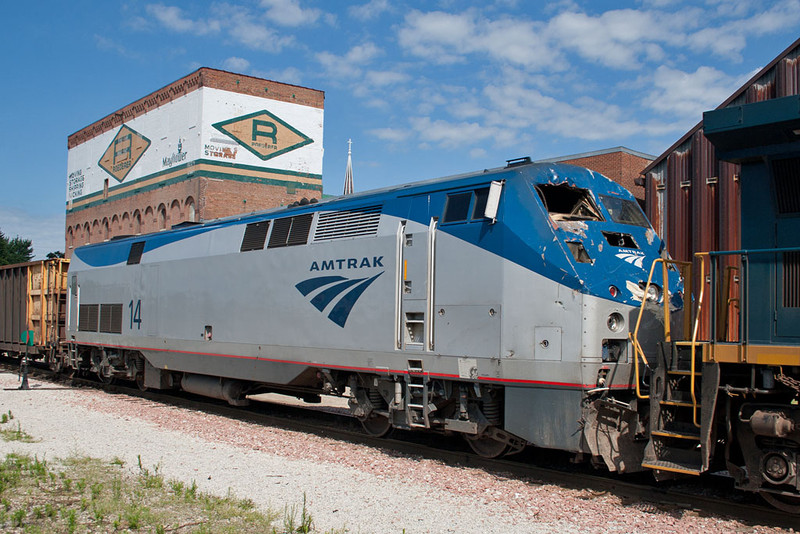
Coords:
pixel 607 239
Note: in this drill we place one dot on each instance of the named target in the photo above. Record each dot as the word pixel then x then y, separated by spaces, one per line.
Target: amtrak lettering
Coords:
pixel 346 263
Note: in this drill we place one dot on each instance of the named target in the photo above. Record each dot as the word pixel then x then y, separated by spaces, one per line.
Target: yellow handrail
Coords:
pixel 702 256
pixel 634 337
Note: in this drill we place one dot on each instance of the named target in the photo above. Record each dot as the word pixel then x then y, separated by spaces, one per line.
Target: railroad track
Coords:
pixel 711 496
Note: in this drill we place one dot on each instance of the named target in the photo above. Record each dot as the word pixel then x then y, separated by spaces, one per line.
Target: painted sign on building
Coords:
pixel 225 134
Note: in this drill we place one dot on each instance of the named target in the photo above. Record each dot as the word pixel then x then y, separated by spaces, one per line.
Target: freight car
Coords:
pixel 496 305
pixel 33 304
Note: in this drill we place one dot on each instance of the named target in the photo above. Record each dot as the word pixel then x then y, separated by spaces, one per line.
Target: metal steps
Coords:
pixel 677 442
pixel 417 395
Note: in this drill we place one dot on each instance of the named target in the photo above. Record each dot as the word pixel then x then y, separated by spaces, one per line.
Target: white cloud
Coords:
pixel 394 135
pixel 371 10
pixel 349 65
pixel 721 41
pixel 236 64
pixel 449 134
pixel 730 39
pixel 104 43
pixel 448 38
pixel 619 38
pixel 246 29
pixel 382 78
pixel 516 108
pixel 441 37
pixel 784 15
pixel 289 12
pixel 688 94
pixel 239 23
pixel 46 233
pixel 173 18
pixel 732 8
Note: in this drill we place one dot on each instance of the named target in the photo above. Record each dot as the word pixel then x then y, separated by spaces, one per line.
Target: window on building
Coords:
pixel 189 207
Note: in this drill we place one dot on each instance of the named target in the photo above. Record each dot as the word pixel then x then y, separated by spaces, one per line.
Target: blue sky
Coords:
pixel 424 89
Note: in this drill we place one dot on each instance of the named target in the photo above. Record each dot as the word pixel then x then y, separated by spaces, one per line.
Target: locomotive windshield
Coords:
pixel 568 203
pixel 624 211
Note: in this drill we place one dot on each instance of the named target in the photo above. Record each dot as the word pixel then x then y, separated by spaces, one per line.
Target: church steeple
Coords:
pixel 348 173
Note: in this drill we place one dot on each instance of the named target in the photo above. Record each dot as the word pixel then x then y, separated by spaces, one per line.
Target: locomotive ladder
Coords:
pixel 680 429
pixel 418 409
pixel 679 441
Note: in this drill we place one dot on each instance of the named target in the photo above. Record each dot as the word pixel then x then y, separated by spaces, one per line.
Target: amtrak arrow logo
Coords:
pixel 634 259
pixel 331 287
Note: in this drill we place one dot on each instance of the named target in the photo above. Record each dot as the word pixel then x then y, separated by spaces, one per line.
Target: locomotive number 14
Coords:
pixel 136 314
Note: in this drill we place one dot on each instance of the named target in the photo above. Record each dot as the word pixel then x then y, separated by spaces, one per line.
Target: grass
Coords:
pixel 13 434
pixel 82 494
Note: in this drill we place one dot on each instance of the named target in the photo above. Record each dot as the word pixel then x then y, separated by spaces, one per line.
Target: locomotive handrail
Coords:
pixel 637 347
pixel 741 301
pixel 693 379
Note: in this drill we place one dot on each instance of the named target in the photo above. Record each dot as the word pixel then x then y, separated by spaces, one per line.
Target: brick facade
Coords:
pixel 199 192
pixel 204 77
pixel 620 164
pixel 192 200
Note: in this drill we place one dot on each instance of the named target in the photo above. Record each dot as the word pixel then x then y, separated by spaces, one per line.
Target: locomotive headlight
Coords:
pixel 653 291
pixel 615 322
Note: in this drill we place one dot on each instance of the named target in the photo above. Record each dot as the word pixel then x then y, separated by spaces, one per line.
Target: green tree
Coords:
pixel 16 250
pixel 54 255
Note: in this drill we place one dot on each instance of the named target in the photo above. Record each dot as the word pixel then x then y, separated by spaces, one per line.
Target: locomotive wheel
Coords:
pixel 140 382
pixel 106 379
pixel 784 503
pixel 486 447
pixel 376 425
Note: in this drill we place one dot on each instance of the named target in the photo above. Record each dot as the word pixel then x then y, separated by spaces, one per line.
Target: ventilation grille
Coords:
pixel 791 279
pixel 787 184
pixel 291 231
pixel 301 226
pixel 351 223
pixel 280 232
pixel 111 318
pixel 135 255
pixel 87 317
pixel 254 236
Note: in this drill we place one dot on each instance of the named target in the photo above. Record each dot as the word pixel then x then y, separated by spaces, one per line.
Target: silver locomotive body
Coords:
pixel 496 305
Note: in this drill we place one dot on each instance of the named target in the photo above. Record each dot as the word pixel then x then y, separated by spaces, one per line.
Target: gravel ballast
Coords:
pixel 346 486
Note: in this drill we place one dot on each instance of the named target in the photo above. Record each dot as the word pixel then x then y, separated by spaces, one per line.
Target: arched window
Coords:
pixel 148 223
pixel 106 235
pixel 70 238
pixel 96 231
pixel 125 227
pixel 137 222
pixel 175 213
pixel 162 217
pixel 115 226
pixel 188 206
pixel 87 234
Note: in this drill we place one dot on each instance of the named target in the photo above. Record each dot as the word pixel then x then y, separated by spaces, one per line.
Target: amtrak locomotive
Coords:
pixel 496 304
